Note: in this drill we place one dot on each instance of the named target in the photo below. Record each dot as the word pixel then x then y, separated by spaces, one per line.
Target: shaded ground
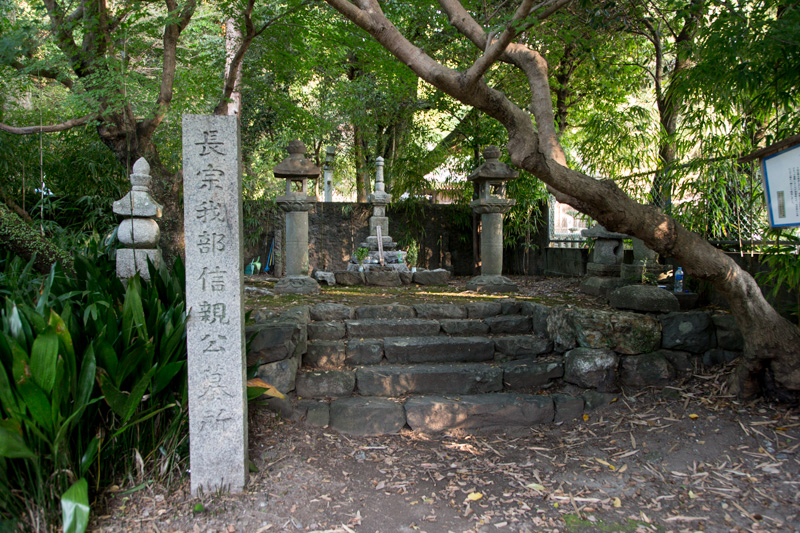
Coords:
pixel 687 458
pixel 545 290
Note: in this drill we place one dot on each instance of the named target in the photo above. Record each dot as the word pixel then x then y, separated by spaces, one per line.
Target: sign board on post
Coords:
pixel 781 172
pixel 212 217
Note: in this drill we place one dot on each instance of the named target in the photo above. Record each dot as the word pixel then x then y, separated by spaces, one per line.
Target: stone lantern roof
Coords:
pixel 493 169
pixel 296 166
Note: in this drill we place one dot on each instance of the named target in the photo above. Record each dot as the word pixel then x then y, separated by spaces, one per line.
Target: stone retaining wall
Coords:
pixel 529 346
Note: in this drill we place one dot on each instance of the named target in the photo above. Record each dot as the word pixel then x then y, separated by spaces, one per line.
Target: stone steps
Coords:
pixel 360 415
pixel 376 369
pixel 392 380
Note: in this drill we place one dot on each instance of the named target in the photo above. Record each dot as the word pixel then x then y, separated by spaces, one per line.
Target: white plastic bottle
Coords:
pixel 679 279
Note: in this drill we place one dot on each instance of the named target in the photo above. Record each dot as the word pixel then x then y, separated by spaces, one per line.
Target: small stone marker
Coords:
pixel 138 232
pixel 212 196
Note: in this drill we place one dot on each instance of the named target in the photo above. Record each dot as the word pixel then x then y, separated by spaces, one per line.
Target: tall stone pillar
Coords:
pixel 327 173
pixel 215 341
pixel 296 203
pixel 138 232
pixel 491 204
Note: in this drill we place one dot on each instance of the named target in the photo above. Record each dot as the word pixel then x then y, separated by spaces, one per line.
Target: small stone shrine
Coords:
pixel 608 251
pixel 139 232
pixel 296 203
pixel 492 204
pixel 382 254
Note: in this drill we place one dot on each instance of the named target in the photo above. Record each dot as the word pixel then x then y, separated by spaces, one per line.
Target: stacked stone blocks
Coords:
pixel 437 366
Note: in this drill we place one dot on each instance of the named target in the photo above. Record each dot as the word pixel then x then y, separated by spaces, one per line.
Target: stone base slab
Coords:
pixel 397 380
pixel 297 285
pixel 491 284
pixel 601 286
pixel 491 411
pixel 439 349
pixel 367 416
pixel 130 261
pixel 603 270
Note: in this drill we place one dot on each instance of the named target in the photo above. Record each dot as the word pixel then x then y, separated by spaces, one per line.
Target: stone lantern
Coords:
pixel 491 204
pixel 296 203
pixel 138 232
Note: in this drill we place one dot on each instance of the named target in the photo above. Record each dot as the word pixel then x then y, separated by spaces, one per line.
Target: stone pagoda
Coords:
pixel 382 254
pixel 491 205
pixel 296 203
pixel 138 232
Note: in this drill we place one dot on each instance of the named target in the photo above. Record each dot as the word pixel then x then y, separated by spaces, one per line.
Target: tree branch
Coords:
pixel 495 49
pixel 62 31
pixel 52 128
pixel 172 32
pixel 530 62
pixel 48 73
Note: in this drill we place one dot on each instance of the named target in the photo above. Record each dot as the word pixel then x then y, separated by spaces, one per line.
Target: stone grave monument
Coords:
pixel 212 185
pixel 296 203
pixel 138 232
pixel 608 251
pixel 382 254
pixel 491 205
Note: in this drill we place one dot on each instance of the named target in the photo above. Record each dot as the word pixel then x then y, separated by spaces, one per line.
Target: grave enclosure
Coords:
pixel 376 369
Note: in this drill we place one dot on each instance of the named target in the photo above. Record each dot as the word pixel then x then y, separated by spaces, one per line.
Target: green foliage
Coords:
pixel 526 217
pixel 412 255
pixel 89 369
pixel 783 264
pixel 360 254
pixel 75 507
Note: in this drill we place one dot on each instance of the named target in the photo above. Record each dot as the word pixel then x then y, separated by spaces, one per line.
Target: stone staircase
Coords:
pixel 375 369
pixel 433 367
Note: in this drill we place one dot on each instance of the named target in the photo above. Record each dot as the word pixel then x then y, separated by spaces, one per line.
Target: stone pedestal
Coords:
pixel 491 205
pixel 607 254
pixel 296 203
pixel 139 232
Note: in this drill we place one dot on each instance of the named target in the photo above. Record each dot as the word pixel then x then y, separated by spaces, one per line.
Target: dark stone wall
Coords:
pixel 337 228
pixel 445 232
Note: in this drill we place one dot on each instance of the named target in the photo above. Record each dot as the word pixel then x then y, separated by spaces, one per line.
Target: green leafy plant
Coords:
pixel 89 368
pixel 361 254
pixel 783 267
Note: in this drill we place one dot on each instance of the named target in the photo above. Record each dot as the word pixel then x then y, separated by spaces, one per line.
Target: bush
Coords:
pixel 91 372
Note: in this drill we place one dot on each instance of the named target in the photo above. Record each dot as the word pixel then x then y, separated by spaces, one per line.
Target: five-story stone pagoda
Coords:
pixel 379 231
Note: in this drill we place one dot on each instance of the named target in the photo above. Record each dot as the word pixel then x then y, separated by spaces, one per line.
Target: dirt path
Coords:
pixel 682 459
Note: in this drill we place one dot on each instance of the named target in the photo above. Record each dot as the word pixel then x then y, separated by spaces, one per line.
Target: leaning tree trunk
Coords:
pixel 772 343
pixel 771 355
pixel 26 242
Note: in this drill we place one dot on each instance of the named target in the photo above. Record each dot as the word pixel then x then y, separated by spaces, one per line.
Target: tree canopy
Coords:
pixel 602 102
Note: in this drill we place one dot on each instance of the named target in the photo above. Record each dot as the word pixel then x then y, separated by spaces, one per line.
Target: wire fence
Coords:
pixel 720 200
